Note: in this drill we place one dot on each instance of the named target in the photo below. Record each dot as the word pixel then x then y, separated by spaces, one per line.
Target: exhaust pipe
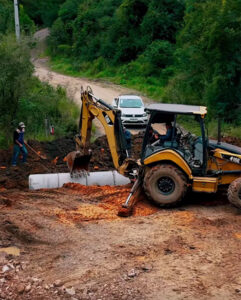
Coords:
pixel 219 131
pixel 57 180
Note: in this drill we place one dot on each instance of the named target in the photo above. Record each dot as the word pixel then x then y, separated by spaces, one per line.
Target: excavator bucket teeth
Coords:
pixel 77 162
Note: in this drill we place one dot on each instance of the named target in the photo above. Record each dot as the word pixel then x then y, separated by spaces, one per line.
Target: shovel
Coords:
pixel 34 151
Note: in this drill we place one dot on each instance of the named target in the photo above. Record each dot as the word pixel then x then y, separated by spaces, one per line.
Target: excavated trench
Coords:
pixel 94 202
pixel 55 153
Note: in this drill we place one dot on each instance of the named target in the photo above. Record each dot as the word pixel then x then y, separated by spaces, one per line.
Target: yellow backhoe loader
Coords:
pixel 171 165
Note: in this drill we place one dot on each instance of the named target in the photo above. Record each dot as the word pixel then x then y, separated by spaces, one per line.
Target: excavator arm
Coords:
pixel 110 119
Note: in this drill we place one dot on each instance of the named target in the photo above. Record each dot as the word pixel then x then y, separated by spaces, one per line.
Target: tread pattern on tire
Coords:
pixel 233 192
pixel 173 168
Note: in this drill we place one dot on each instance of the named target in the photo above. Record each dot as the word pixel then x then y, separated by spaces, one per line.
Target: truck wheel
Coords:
pixel 234 192
pixel 165 184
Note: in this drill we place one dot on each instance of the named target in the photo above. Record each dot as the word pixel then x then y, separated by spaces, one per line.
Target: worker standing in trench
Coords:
pixel 19 144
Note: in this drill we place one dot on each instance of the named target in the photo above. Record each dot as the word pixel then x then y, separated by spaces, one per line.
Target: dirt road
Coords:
pixel 73 246
pixel 104 90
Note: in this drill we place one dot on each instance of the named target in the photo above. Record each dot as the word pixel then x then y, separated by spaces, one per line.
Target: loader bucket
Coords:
pixel 77 162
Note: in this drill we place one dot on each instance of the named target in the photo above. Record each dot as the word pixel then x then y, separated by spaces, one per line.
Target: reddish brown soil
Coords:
pixel 74 246
pixel 72 238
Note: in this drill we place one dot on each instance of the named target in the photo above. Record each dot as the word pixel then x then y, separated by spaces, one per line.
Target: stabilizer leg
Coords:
pixel 132 199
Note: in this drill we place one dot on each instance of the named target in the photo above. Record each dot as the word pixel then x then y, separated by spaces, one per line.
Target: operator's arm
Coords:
pixel 156 135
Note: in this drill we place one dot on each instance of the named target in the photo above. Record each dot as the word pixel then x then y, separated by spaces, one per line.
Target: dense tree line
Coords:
pixel 208 58
pixel 190 47
pixel 119 31
pixel 193 45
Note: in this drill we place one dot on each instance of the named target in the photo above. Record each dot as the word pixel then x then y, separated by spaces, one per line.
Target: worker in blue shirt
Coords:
pixel 127 135
pixel 169 133
pixel 19 144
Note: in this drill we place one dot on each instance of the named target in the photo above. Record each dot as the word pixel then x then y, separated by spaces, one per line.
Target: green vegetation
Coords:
pixel 208 59
pixel 184 51
pixel 7 19
pixel 24 98
pixel 43 12
pixel 123 75
pixel 177 51
pixel 130 41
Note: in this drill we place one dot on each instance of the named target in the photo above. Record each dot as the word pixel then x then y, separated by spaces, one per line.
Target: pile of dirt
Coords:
pixel 55 152
pixel 73 204
pixel 108 201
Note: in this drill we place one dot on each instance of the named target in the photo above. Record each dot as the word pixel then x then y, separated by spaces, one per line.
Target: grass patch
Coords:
pixel 149 86
pixel 226 129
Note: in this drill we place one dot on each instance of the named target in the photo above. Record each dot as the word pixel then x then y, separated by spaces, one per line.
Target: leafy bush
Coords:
pixel 6 16
pixel 44 102
pixel 26 24
pixel 157 56
pixel 15 75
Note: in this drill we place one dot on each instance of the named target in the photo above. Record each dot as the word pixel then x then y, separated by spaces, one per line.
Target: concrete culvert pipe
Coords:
pixel 57 180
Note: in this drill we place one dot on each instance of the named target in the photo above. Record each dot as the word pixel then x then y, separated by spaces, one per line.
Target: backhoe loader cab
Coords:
pixel 176 159
pixel 191 146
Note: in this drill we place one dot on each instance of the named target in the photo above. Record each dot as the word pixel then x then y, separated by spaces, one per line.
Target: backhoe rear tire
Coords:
pixel 165 184
pixel 234 192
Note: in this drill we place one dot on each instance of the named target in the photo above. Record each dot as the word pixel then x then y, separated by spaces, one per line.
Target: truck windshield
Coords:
pixel 134 103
